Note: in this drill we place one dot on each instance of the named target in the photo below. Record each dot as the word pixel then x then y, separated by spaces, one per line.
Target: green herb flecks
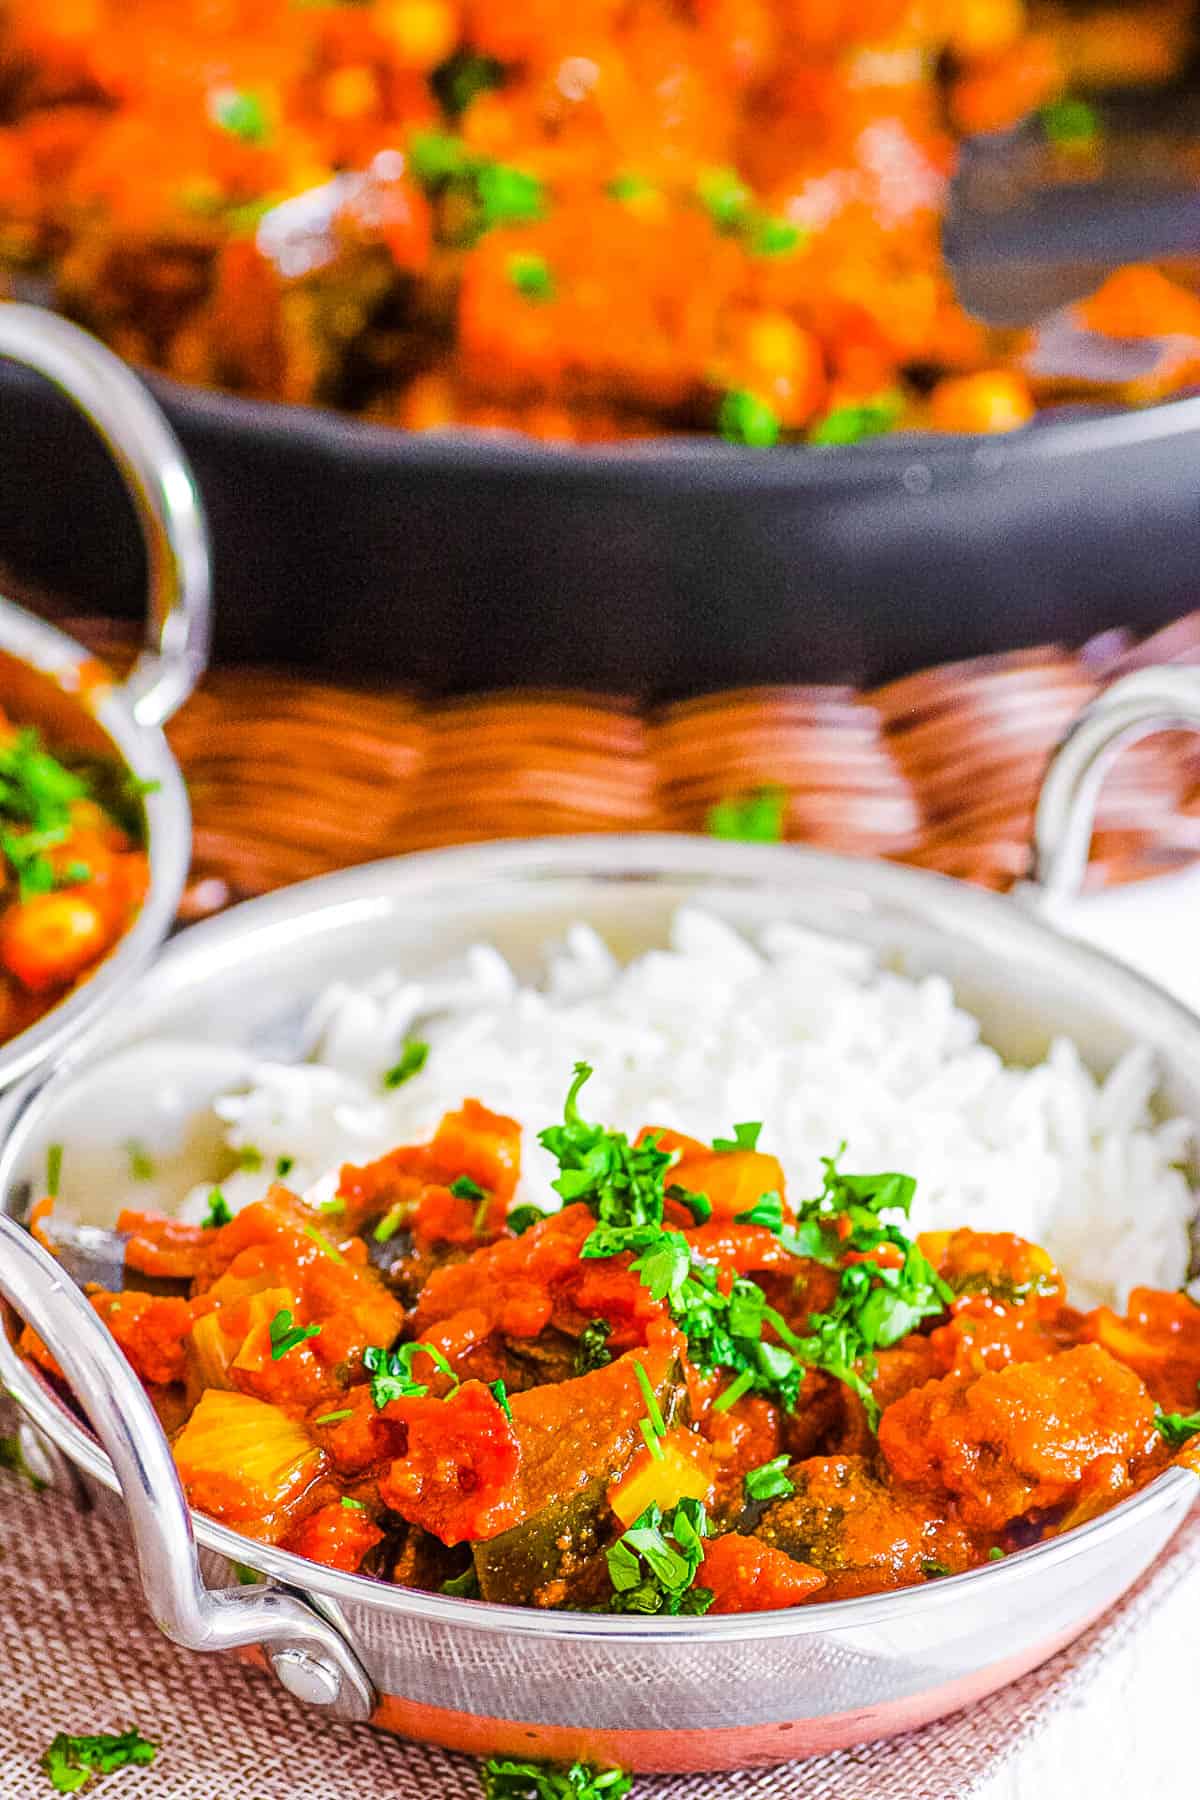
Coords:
pixel 323 1244
pixel 522 1218
pixel 285 1334
pixel 622 1183
pixel 865 419
pixel 73 1762
pixel 391 1372
pixel 505 1780
pixel 490 193
pixel 242 113
pixel 465 1189
pixel 353 1505
pixel 141 1163
pixel 284 1166
pixel 333 1418
pixel 12 1460
pixel 654 1565
pixel 249 1159
pixel 37 793
pixel 757 817
pixel 591 1347
pixel 653 1427
pixel 630 188
pixel 1176 1429
pixel 218 1213
pixel 745 1137
pixel 770 1481
pixel 463 77
pixel 725 198
pixel 746 418
pixel 54 1163
pixel 934 1571
pixel 499 1394
pixel 1071 124
pixel 766 236
pixel 413 1057
pixel 531 276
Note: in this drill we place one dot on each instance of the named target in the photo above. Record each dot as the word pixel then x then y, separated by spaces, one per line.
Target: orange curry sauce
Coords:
pixel 584 221
pixel 74 873
pixel 498 1467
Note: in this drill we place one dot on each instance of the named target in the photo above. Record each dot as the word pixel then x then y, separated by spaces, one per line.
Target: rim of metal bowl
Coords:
pixel 629 858
pixel 145 752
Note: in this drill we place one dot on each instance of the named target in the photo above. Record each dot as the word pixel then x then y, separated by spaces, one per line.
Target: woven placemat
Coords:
pixel 80 1655
pixel 291 778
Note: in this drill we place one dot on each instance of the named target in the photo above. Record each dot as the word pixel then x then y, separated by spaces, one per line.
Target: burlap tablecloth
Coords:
pixel 80 1655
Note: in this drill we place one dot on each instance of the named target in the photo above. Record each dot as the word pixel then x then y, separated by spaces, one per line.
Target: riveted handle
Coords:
pixel 1153 700
pixel 309 1656
pixel 160 483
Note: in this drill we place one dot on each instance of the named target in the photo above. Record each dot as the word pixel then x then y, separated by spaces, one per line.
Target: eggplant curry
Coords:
pixel 682 1393
pixel 584 222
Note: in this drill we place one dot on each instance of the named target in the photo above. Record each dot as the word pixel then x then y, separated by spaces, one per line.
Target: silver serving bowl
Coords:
pixel 651 1694
pixel 49 680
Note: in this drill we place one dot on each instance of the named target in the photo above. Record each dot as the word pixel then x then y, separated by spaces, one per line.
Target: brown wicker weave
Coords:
pixel 291 777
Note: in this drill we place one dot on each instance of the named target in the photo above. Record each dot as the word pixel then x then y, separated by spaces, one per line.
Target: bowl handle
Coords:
pixel 1163 699
pixel 306 1652
pixel 160 483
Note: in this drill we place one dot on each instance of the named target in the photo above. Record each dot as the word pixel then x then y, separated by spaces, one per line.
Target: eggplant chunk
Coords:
pixel 551 1557
pixel 861 1533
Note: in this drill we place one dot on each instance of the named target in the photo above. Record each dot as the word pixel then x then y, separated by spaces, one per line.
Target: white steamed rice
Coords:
pixel 804 1033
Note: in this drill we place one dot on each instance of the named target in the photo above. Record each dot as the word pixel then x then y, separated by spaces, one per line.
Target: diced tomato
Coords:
pixel 339 1536
pixel 455 1476
pixel 748 1576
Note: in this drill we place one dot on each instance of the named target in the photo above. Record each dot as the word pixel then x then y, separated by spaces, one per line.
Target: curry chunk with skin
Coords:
pixel 682 1392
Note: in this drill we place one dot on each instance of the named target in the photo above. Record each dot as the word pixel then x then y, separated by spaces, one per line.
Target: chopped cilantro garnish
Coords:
pixel 391 1221
pixel 508 196
pixel 753 818
pixel 466 1189
pixel 1176 1428
pixel 773 237
pixel 699 1205
pixel 249 1159
pixel 531 276
pixel 286 1334
pixel 54 1162
pixel 591 1351
pixel 933 1571
pixel 218 1213
pixel 653 1565
pixel 72 1762
pixel 653 1427
pixel 464 76
pixel 323 1244
pixel 436 157
pixel 413 1057
pixel 725 198
pixel 12 1458
pixel 506 1780
pixel 867 418
pixel 499 1394
pixel 392 1375
pixel 242 113
pixel 464 1586
pixel 621 1182
pixel 767 1210
pixel 353 1505
pixel 995 1554
pixel 745 1137
pixel 141 1163
pixel 1071 124
pixel 629 187
pixel 284 1166
pixel 745 418
pixel 769 1481
pixel 344 1412
pixel 522 1218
